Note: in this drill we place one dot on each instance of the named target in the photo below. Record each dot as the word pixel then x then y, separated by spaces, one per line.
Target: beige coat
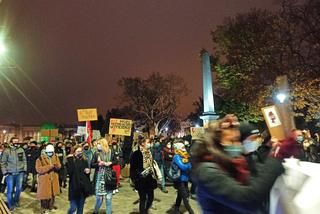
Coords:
pixel 48 177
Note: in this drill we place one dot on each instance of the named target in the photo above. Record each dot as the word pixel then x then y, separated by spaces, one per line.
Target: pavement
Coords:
pixel 124 202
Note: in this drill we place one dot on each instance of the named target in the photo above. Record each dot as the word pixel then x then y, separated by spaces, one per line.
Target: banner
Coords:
pixel 96 134
pixel 50 133
pixel 89 114
pixel 120 127
pixel 197 132
pixel 81 130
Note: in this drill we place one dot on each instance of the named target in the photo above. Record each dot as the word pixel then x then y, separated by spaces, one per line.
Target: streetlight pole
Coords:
pixel 284 104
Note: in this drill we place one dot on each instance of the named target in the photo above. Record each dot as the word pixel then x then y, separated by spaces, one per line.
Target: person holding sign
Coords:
pixel 222 175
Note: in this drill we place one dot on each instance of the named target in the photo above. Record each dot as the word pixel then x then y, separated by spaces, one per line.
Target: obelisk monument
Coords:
pixel 209 113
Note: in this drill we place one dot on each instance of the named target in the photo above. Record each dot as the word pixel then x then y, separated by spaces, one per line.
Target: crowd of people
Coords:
pixel 231 168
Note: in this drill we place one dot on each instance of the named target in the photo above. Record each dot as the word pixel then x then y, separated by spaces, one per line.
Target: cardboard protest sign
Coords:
pixel 197 132
pixel 81 130
pixel 85 115
pixel 96 134
pixel 120 127
pixel 50 133
pixel 273 120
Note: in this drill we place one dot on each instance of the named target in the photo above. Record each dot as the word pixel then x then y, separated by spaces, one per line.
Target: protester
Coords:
pixel 79 180
pixel 291 146
pixel 2 186
pixel 222 175
pixel 102 162
pixel 14 166
pixel 47 166
pixel 157 155
pixel 32 154
pixel 87 152
pixel 143 175
pixel 116 165
pixel 182 160
pixel 61 153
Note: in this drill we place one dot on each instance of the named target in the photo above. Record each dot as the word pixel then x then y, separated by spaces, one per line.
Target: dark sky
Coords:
pixel 74 51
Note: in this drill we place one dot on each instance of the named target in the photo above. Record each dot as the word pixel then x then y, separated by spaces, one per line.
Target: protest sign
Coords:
pixel 196 132
pixel 85 115
pixel 272 118
pixel 120 127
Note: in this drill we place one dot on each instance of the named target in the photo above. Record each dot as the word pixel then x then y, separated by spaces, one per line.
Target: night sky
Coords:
pixel 72 52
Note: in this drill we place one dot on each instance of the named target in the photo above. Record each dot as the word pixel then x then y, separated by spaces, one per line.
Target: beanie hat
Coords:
pixel 178 146
pixel 247 129
pixel 49 148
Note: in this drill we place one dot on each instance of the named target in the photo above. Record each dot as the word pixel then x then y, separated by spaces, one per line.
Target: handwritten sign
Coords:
pixel 120 127
pixel 272 118
pixel 89 114
pixel 197 132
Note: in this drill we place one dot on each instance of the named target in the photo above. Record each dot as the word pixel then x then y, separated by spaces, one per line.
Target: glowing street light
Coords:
pixel 4 131
pixel 281 97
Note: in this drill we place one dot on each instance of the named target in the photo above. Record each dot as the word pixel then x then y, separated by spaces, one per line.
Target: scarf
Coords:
pixel 241 167
pixel 184 154
pixel 147 160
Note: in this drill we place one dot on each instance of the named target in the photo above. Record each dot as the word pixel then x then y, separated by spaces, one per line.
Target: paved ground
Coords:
pixel 124 202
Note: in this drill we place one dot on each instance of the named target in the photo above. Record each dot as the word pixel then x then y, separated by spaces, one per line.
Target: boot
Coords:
pixel 176 210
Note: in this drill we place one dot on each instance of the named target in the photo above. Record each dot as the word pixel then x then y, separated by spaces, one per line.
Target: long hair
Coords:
pixel 105 144
pixel 209 148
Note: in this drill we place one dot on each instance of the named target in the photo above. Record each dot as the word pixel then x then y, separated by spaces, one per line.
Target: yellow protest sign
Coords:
pixel 197 132
pixel 89 114
pixel 120 127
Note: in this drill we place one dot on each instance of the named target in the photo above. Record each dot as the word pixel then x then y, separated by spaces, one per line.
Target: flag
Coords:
pixel 89 133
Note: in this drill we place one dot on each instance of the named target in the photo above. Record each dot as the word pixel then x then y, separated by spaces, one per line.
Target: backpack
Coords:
pixel 174 171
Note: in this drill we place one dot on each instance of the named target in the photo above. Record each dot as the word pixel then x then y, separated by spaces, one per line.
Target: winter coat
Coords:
pixel 95 165
pixel 116 154
pixel 185 168
pixel 157 153
pixel 61 155
pixel 32 155
pixel 218 192
pixel 136 167
pixel 48 178
pixel 289 147
pixel 13 161
pixel 79 181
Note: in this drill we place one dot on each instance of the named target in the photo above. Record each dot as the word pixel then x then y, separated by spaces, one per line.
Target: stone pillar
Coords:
pixel 209 113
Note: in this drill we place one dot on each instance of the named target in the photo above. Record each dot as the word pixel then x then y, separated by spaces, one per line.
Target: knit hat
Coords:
pixel 49 148
pixel 178 146
pixel 247 129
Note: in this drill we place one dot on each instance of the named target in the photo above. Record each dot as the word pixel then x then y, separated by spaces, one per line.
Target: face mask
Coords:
pixel 86 148
pixel 79 155
pixel 157 144
pixel 148 146
pixel 233 150
pixel 300 139
pixel 50 154
pixel 99 147
pixel 249 146
pixel 15 145
pixel 25 146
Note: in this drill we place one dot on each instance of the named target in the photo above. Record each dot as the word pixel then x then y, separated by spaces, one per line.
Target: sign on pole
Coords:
pixel 197 132
pixel 272 118
pixel 89 114
pixel 120 127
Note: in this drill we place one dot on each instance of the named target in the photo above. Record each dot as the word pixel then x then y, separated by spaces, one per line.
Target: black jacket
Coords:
pixel 220 193
pixel 79 181
pixel 32 155
pixel 136 167
pixel 95 165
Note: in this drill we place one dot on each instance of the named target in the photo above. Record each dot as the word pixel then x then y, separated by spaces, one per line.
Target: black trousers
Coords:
pixel 146 199
pixel 183 194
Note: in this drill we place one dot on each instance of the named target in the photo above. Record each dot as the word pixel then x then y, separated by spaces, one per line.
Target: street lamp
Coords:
pixel 281 97
pixel 4 131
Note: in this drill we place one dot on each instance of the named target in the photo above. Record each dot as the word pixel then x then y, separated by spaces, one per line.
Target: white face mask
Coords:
pixel 148 146
pixel 99 147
